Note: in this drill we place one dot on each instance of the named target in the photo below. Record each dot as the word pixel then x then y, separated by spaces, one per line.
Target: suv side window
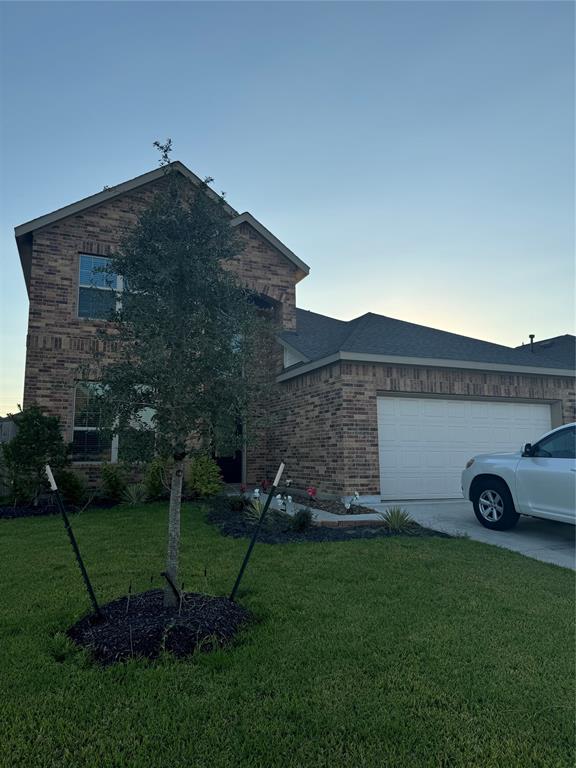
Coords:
pixel 561 445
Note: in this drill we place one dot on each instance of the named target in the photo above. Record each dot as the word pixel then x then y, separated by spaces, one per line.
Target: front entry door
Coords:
pixel 231 467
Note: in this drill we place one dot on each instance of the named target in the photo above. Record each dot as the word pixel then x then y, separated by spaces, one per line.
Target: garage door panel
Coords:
pixel 425 442
pixel 406 408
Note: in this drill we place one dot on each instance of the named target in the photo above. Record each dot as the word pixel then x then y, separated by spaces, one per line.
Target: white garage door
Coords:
pixel 424 443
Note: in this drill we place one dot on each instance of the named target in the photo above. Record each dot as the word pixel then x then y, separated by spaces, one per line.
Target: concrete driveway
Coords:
pixel 540 539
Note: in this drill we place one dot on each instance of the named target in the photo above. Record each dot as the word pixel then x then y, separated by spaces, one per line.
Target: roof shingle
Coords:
pixel 318 336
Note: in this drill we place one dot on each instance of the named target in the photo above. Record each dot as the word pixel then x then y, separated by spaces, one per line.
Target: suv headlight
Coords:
pixel 469 463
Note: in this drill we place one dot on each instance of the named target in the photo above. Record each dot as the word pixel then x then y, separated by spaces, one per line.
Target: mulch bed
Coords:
pixel 140 626
pixel 330 505
pixel 233 523
pixel 13 512
pixel 10 512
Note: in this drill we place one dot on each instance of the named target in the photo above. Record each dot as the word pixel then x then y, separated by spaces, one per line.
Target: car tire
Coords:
pixel 493 505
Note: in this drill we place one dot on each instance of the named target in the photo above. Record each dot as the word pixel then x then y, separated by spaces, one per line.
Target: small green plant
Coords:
pixel 275 518
pixel 61 647
pixel 398 520
pixel 204 476
pixel 157 478
pixel 114 481
pixel 302 520
pixel 134 494
pixel 252 511
pixel 72 487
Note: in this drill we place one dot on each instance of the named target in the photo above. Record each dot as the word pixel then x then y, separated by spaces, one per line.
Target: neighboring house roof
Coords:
pixel 560 348
pixel 375 338
pixel 23 231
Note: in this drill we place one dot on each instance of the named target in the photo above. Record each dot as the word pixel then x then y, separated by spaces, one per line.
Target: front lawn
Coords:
pixel 388 652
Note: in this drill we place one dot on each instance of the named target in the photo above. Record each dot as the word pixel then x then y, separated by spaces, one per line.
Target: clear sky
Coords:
pixel 419 156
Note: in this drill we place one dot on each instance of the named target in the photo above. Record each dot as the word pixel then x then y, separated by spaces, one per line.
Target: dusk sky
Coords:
pixel 419 156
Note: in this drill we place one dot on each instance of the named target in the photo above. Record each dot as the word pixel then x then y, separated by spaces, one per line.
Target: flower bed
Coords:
pixel 277 530
pixel 335 506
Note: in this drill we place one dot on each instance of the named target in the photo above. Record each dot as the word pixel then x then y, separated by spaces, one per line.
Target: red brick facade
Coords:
pixel 326 425
pixel 59 341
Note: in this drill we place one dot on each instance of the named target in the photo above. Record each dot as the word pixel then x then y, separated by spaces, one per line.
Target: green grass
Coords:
pixel 393 652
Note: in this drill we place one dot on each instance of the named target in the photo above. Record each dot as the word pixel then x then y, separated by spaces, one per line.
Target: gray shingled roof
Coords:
pixel 560 348
pixel 318 336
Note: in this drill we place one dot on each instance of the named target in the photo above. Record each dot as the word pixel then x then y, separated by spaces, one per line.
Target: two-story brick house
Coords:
pixel 62 254
pixel 375 404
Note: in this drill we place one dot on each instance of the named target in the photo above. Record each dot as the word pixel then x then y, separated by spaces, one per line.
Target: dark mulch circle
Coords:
pixel 233 523
pixel 140 626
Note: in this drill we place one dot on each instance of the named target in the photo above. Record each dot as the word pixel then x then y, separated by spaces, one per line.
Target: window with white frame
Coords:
pixel 88 443
pixel 97 289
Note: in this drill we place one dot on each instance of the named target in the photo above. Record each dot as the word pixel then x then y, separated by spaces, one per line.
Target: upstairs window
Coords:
pixel 97 288
pixel 88 443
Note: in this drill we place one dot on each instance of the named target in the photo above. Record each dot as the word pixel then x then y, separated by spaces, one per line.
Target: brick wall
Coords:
pixel 306 430
pixel 327 425
pixel 58 341
pixel 266 272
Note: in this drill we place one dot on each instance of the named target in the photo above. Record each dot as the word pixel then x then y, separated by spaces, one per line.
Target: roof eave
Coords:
pixel 293 349
pixel 423 362
pixel 27 229
pixel 246 218
pixel 112 192
pixel 24 244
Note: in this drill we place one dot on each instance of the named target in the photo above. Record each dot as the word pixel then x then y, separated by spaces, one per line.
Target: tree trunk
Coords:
pixel 170 599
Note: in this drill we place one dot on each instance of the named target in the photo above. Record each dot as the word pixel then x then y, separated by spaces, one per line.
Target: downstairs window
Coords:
pixel 88 443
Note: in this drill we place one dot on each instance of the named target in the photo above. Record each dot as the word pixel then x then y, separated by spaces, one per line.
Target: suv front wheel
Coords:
pixel 493 505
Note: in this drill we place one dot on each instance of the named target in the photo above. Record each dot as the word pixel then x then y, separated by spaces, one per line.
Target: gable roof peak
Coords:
pixel 24 232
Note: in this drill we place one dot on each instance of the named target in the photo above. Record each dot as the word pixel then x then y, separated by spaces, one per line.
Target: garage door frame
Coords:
pixel 555 411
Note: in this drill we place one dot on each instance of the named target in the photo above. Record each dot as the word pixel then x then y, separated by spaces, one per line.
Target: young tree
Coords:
pixel 187 336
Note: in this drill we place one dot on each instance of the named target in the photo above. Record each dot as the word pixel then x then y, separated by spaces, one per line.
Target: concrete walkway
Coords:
pixel 541 539
pixel 329 518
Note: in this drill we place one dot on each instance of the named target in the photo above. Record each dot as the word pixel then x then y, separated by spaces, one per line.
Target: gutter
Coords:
pixel 425 362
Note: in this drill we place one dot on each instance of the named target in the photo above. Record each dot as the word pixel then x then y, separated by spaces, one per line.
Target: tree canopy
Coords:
pixel 189 347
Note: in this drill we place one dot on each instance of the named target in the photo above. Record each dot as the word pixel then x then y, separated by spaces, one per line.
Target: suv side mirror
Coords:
pixel 527 450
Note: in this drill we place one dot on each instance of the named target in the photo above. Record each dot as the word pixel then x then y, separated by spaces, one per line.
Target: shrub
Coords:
pixel 38 442
pixel 398 520
pixel 302 520
pixel 134 494
pixel 275 518
pixel 114 481
pixel 157 478
pixel 72 487
pixel 238 503
pixel 204 476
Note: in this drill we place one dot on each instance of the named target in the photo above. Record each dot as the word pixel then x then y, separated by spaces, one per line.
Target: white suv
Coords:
pixel 539 480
